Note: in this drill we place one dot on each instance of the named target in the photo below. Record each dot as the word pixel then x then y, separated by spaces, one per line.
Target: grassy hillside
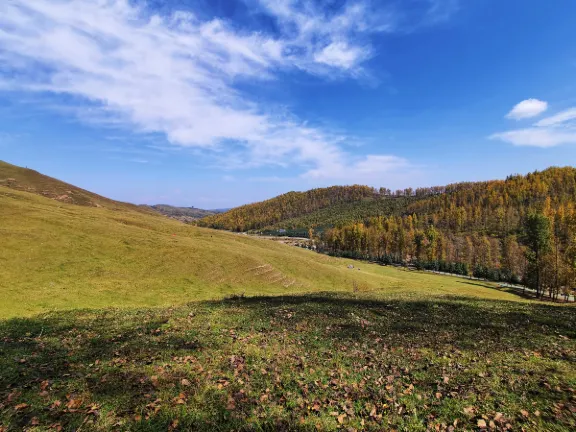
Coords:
pixel 24 179
pixel 60 256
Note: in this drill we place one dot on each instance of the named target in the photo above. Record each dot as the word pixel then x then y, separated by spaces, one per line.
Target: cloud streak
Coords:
pixel 178 75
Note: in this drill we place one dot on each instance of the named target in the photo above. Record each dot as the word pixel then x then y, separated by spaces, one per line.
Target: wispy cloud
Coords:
pixel 132 160
pixel 562 118
pixel 441 10
pixel 527 109
pixel 178 75
pixel 361 170
pixel 551 131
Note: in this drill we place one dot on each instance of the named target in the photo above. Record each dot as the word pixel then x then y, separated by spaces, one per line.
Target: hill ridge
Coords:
pixel 32 181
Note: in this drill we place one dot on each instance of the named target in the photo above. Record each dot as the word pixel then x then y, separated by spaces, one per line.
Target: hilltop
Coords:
pixel 463 206
pixel 28 180
pixel 291 205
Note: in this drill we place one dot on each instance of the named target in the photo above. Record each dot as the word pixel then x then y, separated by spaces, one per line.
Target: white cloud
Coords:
pixel 557 119
pixel 549 132
pixel 177 75
pixel 340 55
pixel 537 137
pixel 318 36
pixel 527 108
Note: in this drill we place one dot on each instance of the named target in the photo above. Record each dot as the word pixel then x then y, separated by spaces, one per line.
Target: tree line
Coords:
pixel 520 230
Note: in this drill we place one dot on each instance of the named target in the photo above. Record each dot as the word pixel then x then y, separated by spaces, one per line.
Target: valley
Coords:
pixel 114 317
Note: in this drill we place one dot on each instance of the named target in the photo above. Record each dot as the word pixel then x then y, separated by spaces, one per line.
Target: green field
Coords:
pixel 113 319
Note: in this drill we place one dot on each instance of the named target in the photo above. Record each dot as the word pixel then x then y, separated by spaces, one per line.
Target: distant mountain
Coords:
pixel 185 214
pixel 28 180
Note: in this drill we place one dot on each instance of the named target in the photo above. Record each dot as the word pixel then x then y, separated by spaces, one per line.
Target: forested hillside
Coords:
pixel 481 228
pixel 519 229
pixel 287 206
pixel 346 213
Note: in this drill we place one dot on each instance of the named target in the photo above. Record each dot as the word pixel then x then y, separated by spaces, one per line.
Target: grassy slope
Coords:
pixel 28 180
pixel 60 256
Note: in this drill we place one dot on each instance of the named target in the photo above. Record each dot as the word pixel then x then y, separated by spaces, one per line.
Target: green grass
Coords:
pixel 114 320
pixel 58 256
pixel 293 363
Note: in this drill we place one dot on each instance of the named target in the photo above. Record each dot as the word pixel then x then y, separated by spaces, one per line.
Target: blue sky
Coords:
pixel 223 102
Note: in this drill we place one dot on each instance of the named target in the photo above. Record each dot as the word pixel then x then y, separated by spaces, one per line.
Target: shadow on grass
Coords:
pixel 71 348
pixel 480 285
pixel 520 292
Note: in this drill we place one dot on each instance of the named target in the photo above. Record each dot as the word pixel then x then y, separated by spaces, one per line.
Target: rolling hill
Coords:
pixel 345 213
pixel 28 180
pixel 490 206
pixel 57 255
